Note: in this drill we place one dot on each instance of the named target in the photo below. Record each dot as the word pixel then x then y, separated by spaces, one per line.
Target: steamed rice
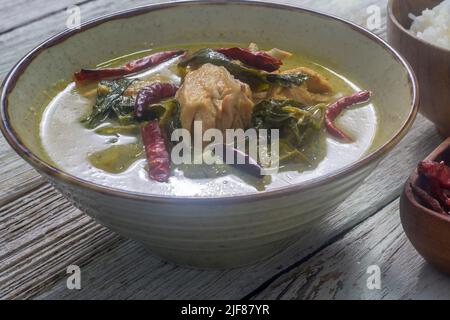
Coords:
pixel 433 25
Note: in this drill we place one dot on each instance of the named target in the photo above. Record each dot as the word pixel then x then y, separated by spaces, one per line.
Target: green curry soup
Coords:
pixel 111 126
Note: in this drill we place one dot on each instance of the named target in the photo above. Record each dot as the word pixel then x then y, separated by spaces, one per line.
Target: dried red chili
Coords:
pixel 438 193
pixel 257 59
pixel 335 109
pixel 155 149
pixel 151 94
pixel 427 200
pixel 129 68
pixel 436 180
pixel 437 174
pixel 436 171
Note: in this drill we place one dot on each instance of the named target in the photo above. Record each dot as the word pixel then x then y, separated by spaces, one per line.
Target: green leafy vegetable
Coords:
pixel 292 118
pixel 171 120
pixel 108 130
pixel 288 153
pixel 287 80
pixel 117 158
pixel 259 81
pixel 112 105
pixel 110 101
pixel 155 111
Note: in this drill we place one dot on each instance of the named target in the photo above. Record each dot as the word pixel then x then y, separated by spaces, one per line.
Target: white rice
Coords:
pixel 433 25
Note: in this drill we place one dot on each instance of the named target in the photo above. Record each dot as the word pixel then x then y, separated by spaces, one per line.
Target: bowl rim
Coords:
pixel 393 18
pixel 56 173
pixel 413 180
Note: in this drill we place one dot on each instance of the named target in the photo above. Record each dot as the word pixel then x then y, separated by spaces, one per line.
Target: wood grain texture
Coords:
pixel 17 177
pixel 340 270
pixel 16 14
pixel 44 233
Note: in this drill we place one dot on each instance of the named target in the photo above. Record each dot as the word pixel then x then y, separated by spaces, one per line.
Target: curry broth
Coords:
pixel 74 149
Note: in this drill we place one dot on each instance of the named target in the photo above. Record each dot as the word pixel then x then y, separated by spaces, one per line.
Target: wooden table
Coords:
pixel 41 233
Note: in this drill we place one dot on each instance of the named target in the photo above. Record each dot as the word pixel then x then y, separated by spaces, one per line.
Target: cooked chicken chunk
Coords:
pixel 316 89
pixel 211 94
pixel 280 54
pixel 300 94
pixel 316 82
pixel 275 52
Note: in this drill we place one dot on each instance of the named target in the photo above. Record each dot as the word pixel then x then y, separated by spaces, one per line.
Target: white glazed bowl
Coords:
pixel 215 231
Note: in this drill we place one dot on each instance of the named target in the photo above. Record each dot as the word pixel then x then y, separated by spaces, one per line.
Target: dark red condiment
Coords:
pixel 151 94
pixel 335 109
pixel 258 59
pixel 129 68
pixel 156 152
pixel 435 190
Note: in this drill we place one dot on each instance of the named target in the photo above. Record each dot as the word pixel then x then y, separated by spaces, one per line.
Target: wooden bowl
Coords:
pixel 428 231
pixel 430 63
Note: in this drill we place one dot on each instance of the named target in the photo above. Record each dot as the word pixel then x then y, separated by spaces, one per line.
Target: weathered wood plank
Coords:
pixel 126 270
pixel 17 177
pixel 41 234
pixel 340 270
pixel 15 14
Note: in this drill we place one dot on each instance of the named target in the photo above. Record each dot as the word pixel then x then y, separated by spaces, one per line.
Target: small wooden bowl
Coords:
pixel 428 231
pixel 430 63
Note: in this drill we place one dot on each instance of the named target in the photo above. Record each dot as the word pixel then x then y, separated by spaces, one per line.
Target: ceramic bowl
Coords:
pixel 428 231
pixel 213 231
pixel 430 63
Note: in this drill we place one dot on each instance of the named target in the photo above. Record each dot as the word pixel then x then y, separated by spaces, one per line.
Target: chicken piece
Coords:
pixel 317 89
pixel 253 47
pixel 212 95
pixel 316 82
pixel 300 94
pixel 279 54
pixel 134 88
pixel 274 52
